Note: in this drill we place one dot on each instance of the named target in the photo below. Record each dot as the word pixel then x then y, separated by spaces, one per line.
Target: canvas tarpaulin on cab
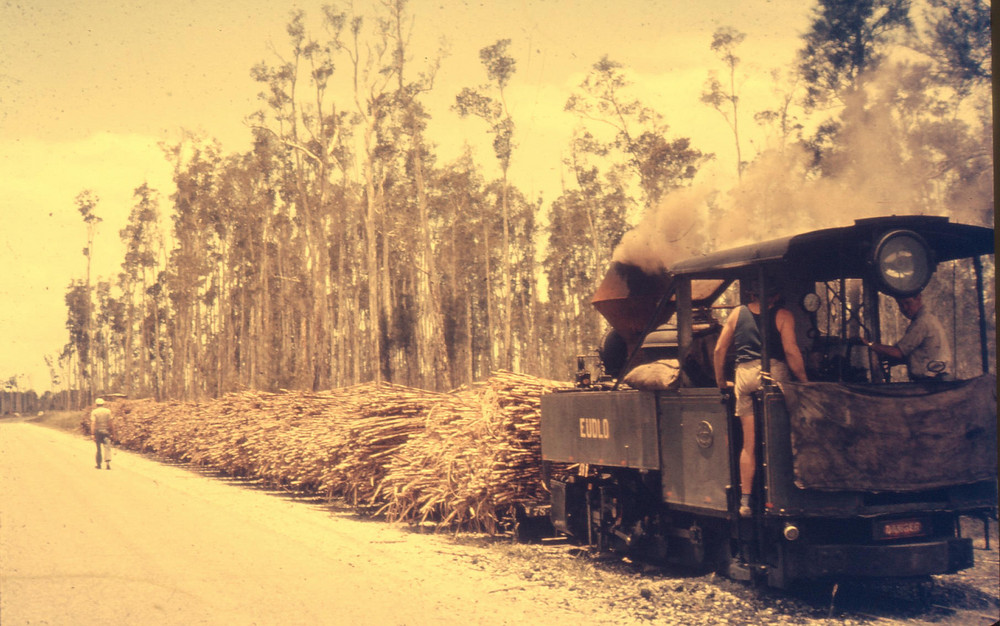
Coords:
pixel 893 437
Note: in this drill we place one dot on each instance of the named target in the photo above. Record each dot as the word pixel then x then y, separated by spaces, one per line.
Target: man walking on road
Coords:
pixel 101 428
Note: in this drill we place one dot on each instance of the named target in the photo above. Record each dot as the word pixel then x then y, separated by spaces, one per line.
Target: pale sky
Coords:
pixel 89 88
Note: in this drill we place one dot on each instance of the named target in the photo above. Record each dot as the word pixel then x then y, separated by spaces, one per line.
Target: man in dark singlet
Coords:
pixel 742 331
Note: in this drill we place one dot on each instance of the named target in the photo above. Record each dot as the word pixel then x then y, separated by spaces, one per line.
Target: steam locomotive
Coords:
pixel 859 472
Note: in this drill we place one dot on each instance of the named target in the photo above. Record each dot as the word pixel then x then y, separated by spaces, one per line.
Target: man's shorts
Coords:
pixel 748 381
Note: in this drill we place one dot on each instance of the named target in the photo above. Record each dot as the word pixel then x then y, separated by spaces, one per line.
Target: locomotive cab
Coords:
pixel 859 472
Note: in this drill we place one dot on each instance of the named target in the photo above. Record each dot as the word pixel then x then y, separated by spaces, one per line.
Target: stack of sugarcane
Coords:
pixel 334 442
pixel 385 419
pixel 145 425
pixel 460 460
pixel 246 434
pixel 478 457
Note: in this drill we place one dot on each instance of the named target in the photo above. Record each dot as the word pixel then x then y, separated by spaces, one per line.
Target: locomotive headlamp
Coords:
pixel 791 532
pixel 902 263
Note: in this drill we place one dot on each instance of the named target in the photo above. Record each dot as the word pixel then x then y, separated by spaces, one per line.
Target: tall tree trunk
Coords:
pixel 371 259
pixel 128 386
pixel 387 311
pixel 507 289
pixel 490 329
pixel 470 371
pixel 429 300
pixel 262 367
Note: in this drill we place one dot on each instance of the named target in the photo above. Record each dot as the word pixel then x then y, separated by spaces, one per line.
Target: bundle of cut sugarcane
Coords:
pixel 235 433
pixel 333 441
pixel 274 436
pixel 462 459
pixel 387 416
pixel 478 457
pixel 140 424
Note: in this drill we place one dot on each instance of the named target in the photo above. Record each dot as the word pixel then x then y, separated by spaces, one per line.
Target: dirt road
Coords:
pixel 154 543
pixel 148 543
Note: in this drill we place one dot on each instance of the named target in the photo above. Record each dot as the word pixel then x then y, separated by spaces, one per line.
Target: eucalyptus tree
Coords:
pixel 725 99
pixel 958 37
pixel 54 376
pixel 191 265
pixel 251 296
pixel 315 134
pixel 489 103
pixel 638 133
pixel 431 356
pixel 374 65
pixel 86 203
pixel 782 121
pixel 930 133
pixel 585 225
pixel 957 40
pixel 846 40
pixel 623 161
pixel 78 306
pixel 144 249
pixel 226 213
pixel 520 223
pixel 457 205
pixel 108 348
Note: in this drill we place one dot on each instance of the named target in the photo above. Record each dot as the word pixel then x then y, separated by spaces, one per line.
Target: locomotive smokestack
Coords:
pixel 627 298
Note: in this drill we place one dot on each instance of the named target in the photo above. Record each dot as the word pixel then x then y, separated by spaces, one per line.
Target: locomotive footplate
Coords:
pixel 923 558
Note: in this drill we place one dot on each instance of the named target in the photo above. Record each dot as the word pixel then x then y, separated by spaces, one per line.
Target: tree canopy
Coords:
pixel 339 249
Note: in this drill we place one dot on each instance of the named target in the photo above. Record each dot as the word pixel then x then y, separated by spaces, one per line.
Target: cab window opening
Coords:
pixel 836 331
pixel 952 294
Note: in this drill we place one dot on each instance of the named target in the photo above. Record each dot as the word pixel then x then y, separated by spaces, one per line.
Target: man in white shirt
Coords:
pixel 924 347
pixel 101 427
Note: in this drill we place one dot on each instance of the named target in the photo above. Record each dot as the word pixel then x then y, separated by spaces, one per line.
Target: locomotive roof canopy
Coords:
pixel 841 252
